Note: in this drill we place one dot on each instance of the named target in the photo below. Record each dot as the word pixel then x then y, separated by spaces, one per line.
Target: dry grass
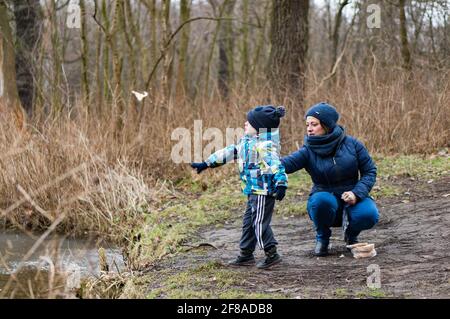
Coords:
pixel 67 169
pixel 392 111
pixel 106 182
pixel 77 174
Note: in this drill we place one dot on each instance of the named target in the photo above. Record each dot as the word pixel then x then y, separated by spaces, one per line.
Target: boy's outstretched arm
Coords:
pixel 216 159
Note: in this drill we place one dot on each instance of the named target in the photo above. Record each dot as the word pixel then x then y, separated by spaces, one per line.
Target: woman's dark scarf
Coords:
pixel 325 145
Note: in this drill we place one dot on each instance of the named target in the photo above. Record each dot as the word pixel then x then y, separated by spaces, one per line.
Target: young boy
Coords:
pixel 263 180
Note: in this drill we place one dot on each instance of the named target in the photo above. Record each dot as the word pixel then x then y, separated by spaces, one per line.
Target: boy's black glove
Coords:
pixel 199 166
pixel 280 193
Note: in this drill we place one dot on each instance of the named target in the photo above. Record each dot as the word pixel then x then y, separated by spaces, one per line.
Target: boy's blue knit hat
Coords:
pixel 266 116
pixel 325 113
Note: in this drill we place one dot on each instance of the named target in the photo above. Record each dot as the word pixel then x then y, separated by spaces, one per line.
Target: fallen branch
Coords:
pixel 190 247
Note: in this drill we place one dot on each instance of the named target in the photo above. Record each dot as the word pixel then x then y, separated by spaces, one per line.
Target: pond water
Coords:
pixel 26 272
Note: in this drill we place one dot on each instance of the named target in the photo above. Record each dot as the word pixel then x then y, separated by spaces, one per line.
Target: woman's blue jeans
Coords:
pixel 325 210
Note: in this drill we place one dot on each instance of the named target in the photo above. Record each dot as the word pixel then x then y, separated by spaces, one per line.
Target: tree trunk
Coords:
pixel 117 60
pixel 226 44
pixel 98 68
pixel 167 64
pixel 153 33
pixel 183 49
pixel 244 49
pixel 213 46
pixel 406 55
pixel 129 30
pixel 84 58
pixel 289 40
pixel 106 54
pixel 9 97
pixel 114 43
pixel 8 89
pixel 140 60
pixel 27 17
pixel 260 42
pixel 337 25
pixel 55 43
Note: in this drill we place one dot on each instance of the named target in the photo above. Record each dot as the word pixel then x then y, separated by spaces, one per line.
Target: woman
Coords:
pixel 343 174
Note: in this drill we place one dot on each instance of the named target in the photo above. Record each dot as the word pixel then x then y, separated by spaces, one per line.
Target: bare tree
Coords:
pixel 167 59
pixel 337 25
pixel 27 17
pixel 183 48
pixel 135 37
pixel 245 67
pixel 84 57
pixel 289 39
pixel 9 97
pixel 406 54
pixel 225 43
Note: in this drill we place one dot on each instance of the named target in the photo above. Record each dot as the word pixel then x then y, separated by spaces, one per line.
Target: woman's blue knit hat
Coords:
pixel 325 113
pixel 266 116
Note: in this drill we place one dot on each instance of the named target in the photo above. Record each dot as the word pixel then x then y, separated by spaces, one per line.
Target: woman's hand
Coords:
pixel 349 198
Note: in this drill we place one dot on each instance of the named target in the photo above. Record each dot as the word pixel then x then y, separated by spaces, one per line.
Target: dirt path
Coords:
pixel 412 240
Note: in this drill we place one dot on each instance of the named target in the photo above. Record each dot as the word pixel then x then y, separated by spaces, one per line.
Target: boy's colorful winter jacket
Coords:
pixel 260 168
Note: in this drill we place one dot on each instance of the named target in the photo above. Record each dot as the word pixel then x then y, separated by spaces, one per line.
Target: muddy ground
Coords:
pixel 412 241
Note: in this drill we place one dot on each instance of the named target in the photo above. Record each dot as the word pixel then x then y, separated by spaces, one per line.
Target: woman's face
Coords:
pixel 249 129
pixel 313 127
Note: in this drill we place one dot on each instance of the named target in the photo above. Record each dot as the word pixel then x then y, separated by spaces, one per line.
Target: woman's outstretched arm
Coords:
pixel 295 161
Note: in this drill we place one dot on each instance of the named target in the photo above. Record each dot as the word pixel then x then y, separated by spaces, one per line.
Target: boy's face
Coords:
pixel 249 130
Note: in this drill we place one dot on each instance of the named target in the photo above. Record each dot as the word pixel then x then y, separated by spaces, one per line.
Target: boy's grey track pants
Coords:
pixel 256 228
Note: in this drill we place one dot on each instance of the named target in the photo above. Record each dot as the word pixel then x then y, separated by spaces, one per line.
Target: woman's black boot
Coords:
pixel 321 249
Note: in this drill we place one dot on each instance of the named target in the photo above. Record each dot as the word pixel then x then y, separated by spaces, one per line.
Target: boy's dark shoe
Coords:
pixel 321 249
pixel 244 259
pixel 272 258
